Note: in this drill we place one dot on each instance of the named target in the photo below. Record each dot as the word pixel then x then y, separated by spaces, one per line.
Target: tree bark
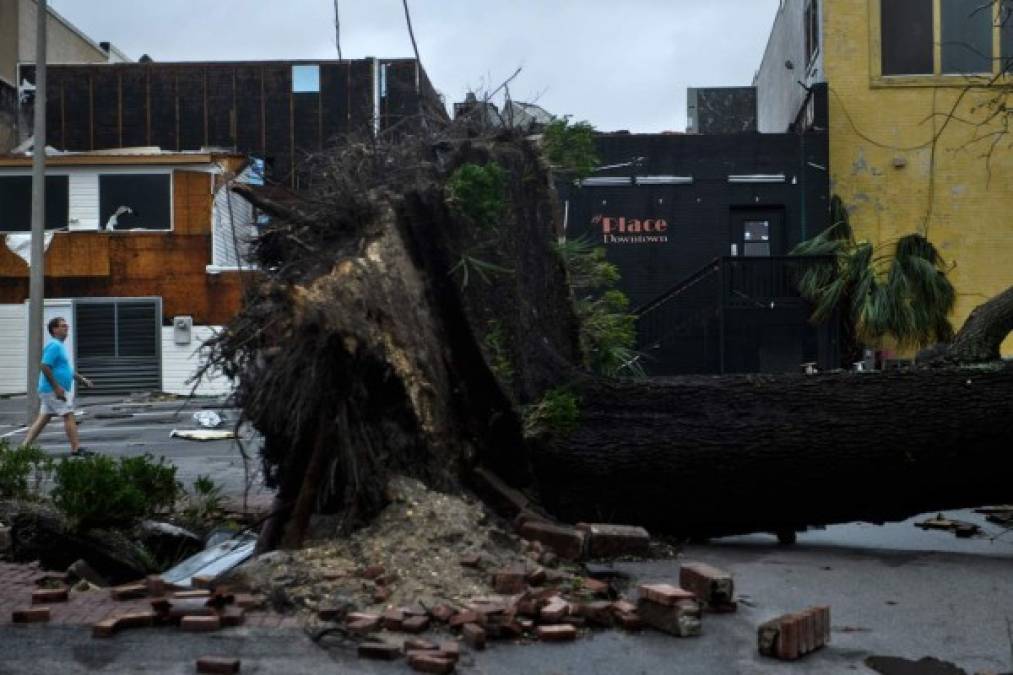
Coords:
pixel 982 335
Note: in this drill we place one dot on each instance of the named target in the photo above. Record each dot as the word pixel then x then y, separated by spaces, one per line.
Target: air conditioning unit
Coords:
pixel 182 329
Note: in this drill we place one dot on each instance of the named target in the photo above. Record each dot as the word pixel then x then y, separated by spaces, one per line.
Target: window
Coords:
pixel 907 37
pixel 1006 34
pixel 135 201
pixel 912 43
pixel 306 79
pixel 756 238
pixel 16 203
pixel 812 31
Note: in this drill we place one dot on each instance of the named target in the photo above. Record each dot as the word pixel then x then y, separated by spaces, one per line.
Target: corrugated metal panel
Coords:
pixel 83 201
pixel 180 362
pixel 118 344
pixel 13 342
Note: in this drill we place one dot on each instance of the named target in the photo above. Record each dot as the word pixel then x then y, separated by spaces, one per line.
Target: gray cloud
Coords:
pixel 619 65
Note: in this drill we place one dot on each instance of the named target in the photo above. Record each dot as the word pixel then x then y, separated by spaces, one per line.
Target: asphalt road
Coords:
pixel 120 427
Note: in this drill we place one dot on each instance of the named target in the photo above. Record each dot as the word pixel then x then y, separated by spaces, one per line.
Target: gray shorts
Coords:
pixel 54 406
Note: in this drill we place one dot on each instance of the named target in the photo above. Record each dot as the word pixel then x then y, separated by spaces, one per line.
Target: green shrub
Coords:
pixel 205 503
pixel 101 491
pixel 495 343
pixel 557 414
pixel 22 470
pixel 479 192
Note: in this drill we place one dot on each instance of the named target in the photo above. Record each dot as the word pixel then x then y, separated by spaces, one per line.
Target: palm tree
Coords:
pixel 903 295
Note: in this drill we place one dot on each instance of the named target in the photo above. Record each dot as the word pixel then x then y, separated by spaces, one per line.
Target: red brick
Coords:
pixel 623 606
pixel 451 649
pixel 189 607
pixel 610 541
pixel 567 542
pixel 363 626
pixel 200 624
pixel 473 560
pixel 418 644
pixel 156 586
pixel 556 633
pixel 217 664
pixel 383 651
pixel 474 635
pixel 680 620
pixel 786 648
pixel 442 613
pixel 464 617
pixel 248 601
pixel 381 594
pixel 431 663
pixel 555 610
pixel 629 620
pixel 139 619
pixel 233 616
pixel 664 594
pixel 372 572
pixel 44 596
pixel 415 624
pixel 598 613
pixel 104 628
pixel 594 586
pixel 712 586
pixel 33 615
pixel 129 591
pixel 509 581
pixel 392 619
pixel 190 595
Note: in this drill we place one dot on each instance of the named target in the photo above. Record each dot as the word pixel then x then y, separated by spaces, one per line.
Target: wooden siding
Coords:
pixel 191 203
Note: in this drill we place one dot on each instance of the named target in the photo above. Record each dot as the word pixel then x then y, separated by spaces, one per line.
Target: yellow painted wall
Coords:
pixel 875 124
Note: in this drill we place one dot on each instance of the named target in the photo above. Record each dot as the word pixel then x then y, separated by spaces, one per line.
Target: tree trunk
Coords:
pixel 983 333
pixel 392 332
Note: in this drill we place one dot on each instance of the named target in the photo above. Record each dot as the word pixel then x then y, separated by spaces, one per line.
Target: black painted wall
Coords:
pixel 698 216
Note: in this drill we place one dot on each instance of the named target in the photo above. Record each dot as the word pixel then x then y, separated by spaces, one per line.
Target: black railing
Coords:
pixel 687 328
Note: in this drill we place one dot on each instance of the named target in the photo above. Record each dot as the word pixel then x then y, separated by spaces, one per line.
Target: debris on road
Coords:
pixel 212 562
pixel 791 636
pixel 202 434
pixel 961 528
pixel 207 419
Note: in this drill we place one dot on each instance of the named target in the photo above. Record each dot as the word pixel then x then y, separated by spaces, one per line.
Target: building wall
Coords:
pixel 779 94
pixel 9 42
pixel 64 44
pixel 181 362
pixel 884 168
pixel 170 265
pixel 8 116
pixel 13 357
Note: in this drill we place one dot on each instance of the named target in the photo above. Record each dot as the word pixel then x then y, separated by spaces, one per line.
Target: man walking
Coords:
pixel 56 383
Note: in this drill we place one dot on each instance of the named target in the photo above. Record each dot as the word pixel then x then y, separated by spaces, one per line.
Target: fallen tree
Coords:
pixel 414 316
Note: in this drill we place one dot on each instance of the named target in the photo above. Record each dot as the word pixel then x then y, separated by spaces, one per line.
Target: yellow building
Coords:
pixel 919 138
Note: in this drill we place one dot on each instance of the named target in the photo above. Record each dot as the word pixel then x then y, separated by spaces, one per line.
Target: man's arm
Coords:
pixel 57 389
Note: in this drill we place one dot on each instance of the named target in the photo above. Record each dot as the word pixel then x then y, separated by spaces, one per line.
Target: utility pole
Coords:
pixel 337 29
pixel 37 268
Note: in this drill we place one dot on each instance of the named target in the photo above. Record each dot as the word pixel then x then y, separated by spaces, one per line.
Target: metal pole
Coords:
pixel 37 272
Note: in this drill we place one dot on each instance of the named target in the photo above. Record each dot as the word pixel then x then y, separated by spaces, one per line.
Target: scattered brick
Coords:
pixel 190 595
pixel 680 620
pixel 233 616
pixel 415 624
pixel 623 607
pixel 791 636
pixel 474 635
pixel 451 649
pixel 537 576
pixel 217 664
pixel 361 624
pixel 418 644
pixel 554 610
pixel 392 619
pixel 372 572
pixel 44 596
pixel 556 633
pixel 595 586
pixel 139 619
pixel 598 613
pixel 664 594
pixel 711 586
pixel 431 663
pixel 509 581
pixel 414 610
pixel 189 607
pixel 567 542
pixel 610 541
pixel 248 601
pixel 383 651
pixel 129 591
pixel 442 613
pixel 465 616
pixel 381 594
pixel 33 615
pixel 629 620
pixel 200 624
pixel 104 628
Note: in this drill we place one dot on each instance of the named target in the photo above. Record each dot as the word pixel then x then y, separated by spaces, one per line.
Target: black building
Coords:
pixel 700 226
pixel 277 110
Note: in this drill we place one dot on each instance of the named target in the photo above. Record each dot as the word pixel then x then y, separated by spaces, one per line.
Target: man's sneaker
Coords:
pixel 83 452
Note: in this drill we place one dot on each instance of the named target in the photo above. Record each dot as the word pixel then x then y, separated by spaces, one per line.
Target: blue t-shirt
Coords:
pixel 55 356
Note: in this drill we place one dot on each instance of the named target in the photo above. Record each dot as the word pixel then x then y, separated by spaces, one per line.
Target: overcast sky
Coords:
pixel 620 64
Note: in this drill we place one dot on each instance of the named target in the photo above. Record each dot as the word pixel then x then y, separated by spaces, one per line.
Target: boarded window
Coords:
pixel 966 36
pixel 133 201
pixel 16 203
pixel 907 37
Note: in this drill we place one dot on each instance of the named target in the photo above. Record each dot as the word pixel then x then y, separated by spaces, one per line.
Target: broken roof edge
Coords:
pixel 123 156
